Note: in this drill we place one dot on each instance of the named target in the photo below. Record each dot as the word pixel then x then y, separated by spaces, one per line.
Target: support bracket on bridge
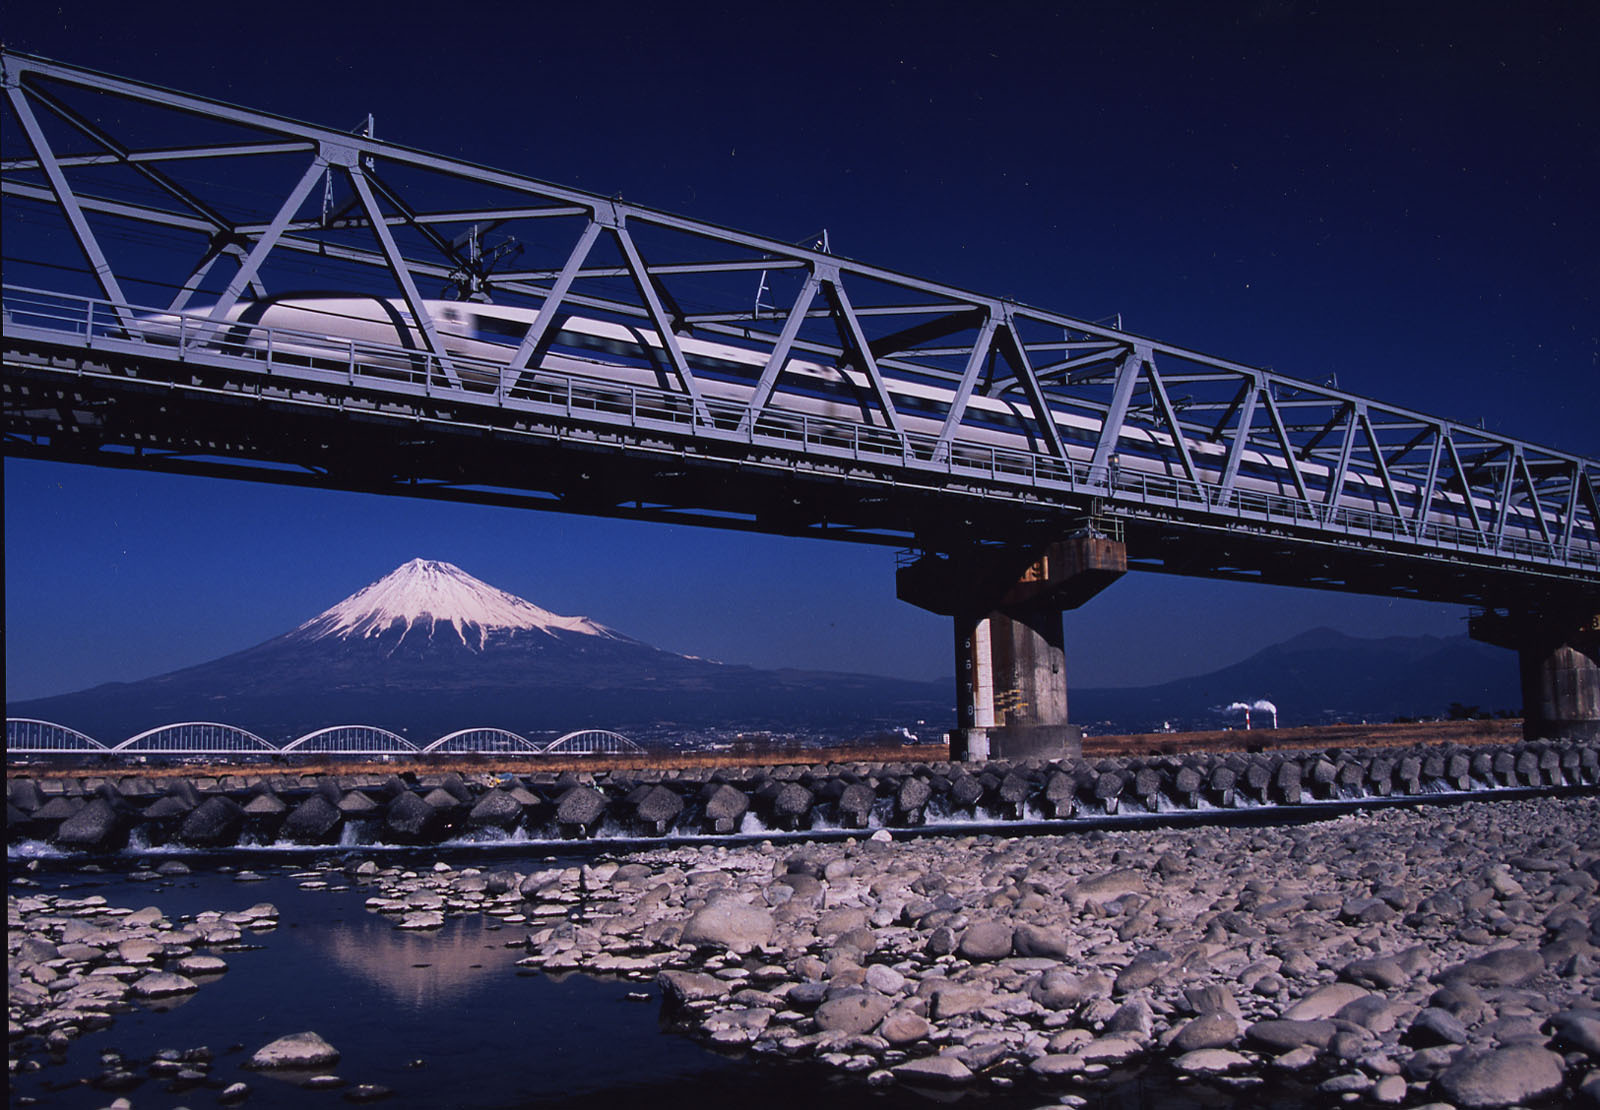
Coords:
pixel 1006 602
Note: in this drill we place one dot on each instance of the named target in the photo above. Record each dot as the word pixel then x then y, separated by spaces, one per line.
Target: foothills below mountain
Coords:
pixel 429 649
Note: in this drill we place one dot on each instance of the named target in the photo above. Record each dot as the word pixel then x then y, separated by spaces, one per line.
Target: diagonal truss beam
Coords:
pixel 1128 372
pixel 1342 471
pixel 969 379
pixel 1015 353
pixel 1425 502
pixel 268 239
pixel 779 357
pixel 551 304
pixel 69 205
pixel 856 345
pixel 1378 463
pixel 1241 436
pixel 1169 415
pixel 658 315
pixel 121 154
pixel 1286 447
pixel 402 273
pixel 1533 496
pixel 1465 483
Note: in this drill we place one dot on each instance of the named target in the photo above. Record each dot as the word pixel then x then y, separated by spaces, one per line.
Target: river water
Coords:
pixel 446 1019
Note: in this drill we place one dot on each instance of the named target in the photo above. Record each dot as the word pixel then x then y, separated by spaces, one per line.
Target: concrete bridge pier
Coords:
pixel 1559 660
pixel 1011 672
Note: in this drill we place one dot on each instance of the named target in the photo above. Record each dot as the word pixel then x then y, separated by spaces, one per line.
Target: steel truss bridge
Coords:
pixel 26 736
pixel 508 341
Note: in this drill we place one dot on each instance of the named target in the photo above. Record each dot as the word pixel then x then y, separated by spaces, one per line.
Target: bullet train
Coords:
pixel 321 327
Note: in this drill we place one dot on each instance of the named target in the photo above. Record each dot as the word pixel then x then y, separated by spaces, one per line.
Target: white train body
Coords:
pixel 602 352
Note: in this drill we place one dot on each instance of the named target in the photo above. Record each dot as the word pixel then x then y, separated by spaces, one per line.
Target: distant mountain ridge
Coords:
pixel 428 649
pixel 1321 676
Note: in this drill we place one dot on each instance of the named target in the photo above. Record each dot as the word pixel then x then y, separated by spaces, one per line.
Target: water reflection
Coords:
pixel 418 970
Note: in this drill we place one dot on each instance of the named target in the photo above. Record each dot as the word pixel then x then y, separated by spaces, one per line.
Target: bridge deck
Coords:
pixel 613 359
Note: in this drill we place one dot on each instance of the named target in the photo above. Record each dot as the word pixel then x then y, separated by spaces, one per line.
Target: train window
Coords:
pixel 496 329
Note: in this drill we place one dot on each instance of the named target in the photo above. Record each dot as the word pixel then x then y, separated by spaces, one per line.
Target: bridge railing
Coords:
pixel 291 355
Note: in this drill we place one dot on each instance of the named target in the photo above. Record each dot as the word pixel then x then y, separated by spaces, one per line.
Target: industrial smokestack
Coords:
pixel 1267 707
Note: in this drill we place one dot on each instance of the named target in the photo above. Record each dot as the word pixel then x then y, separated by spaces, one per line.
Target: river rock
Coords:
pixel 1033 941
pixel 1108 887
pixel 1060 989
pixel 1324 1002
pixel 1211 1061
pixel 1579 1030
pixel 1504 967
pixel 986 940
pixel 1283 1035
pixel 1503 1077
pixel 939 1071
pixel 903 1027
pixel 1380 972
pixel 730 924
pixel 1213 1030
pixel 298 1050
pixel 853 1013
pixel 1433 1026
pixel 681 987
pixel 162 984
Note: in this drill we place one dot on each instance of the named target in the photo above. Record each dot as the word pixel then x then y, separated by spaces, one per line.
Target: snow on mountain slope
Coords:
pixel 427 595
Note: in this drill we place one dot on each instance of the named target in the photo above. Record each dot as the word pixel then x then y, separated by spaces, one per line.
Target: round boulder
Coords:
pixel 298 1050
pixel 986 940
pixel 732 925
pixel 1503 1077
pixel 853 1013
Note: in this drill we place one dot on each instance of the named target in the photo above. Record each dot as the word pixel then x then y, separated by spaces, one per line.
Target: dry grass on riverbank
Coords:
pixel 1094 747
pixel 1312 736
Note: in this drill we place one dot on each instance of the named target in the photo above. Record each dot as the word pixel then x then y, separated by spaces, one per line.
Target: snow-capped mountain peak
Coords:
pixel 430 595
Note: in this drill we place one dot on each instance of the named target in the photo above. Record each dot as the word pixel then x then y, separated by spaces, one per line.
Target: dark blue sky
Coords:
pixel 1402 195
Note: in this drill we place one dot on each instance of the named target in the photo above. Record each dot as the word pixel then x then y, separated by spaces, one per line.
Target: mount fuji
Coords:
pixel 428 649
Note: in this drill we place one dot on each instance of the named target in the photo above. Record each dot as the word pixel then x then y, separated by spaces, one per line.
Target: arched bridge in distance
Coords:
pixel 627 365
pixel 26 736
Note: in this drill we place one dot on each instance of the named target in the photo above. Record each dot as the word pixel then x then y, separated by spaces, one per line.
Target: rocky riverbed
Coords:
pixel 1446 954
pixel 1399 957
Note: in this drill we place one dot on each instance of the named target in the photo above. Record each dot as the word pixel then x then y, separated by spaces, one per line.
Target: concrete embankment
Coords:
pixel 108 812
